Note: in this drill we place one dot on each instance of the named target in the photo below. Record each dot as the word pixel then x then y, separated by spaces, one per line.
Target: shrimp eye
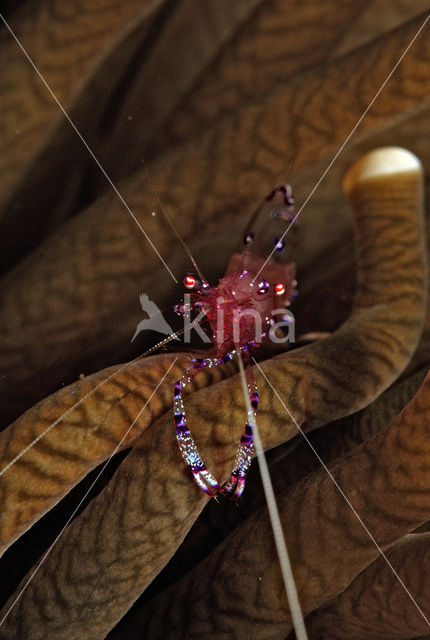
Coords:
pixel 279 289
pixel 248 238
pixel 189 282
pixel 279 244
pixel 263 286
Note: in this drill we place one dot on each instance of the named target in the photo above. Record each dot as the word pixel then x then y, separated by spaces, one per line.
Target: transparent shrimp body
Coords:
pixel 239 313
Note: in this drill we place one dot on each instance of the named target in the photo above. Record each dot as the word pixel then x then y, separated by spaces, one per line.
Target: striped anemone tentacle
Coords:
pixel 188 448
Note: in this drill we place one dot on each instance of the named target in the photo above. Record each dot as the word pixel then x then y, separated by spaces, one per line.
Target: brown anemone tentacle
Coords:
pixel 361 611
pixel 67 47
pixel 265 50
pixel 99 60
pixel 133 527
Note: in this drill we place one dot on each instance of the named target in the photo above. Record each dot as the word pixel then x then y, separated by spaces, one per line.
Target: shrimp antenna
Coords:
pixel 173 336
pixel 183 243
pixel 170 223
pixel 278 534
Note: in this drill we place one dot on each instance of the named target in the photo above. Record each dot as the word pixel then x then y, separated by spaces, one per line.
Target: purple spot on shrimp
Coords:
pixel 198 467
pixel 179 419
pixel 199 364
pixel 248 238
pixel 279 244
pixel 248 430
pixel 254 400
pixel 263 286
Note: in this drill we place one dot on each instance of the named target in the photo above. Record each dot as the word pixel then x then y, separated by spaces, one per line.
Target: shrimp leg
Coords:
pixel 188 448
pixel 236 484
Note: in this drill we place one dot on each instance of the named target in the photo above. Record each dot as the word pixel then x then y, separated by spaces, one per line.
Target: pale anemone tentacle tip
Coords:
pixel 379 163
